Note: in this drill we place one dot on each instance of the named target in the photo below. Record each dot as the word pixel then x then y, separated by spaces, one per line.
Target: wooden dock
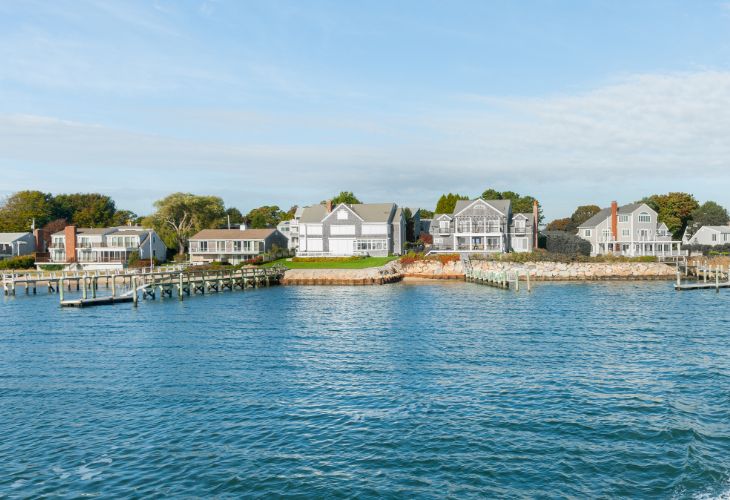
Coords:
pixel 706 278
pixel 147 285
pixel 505 279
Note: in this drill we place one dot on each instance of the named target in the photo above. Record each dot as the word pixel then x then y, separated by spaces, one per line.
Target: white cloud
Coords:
pixel 640 135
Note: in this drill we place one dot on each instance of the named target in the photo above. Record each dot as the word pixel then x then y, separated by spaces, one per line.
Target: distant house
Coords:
pixel 290 229
pixel 710 236
pixel 16 244
pixel 376 229
pixel 484 226
pixel 629 230
pixel 234 245
pixel 105 247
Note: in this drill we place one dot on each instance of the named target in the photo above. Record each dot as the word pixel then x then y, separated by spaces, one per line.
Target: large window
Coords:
pixel 644 217
pixel 587 233
pixel 623 218
pixel 220 246
pixel 368 245
pixel 203 246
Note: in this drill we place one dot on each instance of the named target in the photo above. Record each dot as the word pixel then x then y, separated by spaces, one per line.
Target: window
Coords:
pixel 644 217
pixel 714 237
pixel 237 246
pixel 606 233
pixel 623 218
pixel 342 215
pixel 587 233
pixel 625 233
pixel 444 224
pixel 220 246
pixel 314 229
pixel 367 245
pixel 644 234
pixel 520 224
pixel 725 237
pixel 203 246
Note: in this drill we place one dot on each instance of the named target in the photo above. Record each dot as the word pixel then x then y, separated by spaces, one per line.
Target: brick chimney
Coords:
pixel 40 240
pixel 614 220
pixel 69 234
pixel 535 220
pixel 329 206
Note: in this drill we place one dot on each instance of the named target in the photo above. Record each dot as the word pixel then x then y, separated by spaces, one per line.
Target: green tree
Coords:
pixel 707 214
pixel 447 203
pixel 560 225
pixel 520 204
pixel 180 215
pixel 289 214
pixel 263 217
pixel 85 209
pixel 20 209
pixel 674 209
pixel 344 197
pixel 425 214
pixel 124 217
pixel 235 215
pixel 582 214
pixel 491 194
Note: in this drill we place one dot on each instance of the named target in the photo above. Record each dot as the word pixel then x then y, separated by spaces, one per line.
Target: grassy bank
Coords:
pixel 353 264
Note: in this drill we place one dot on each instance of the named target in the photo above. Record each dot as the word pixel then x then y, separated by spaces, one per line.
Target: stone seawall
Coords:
pixel 548 271
pixel 369 276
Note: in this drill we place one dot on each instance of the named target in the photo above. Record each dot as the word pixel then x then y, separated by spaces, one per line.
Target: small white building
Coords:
pixel 710 236
pixel 16 244
pixel 290 229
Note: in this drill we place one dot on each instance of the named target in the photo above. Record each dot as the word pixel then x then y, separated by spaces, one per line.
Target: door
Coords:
pixel 342 246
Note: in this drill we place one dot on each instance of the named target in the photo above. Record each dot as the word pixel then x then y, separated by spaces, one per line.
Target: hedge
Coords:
pixel 23 262
pixel 561 242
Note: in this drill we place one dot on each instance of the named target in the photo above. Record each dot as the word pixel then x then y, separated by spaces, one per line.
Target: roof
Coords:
pixel 93 231
pixel 6 238
pixel 233 234
pixel 368 212
pixel 501 205
pixel 530 218
pixel 719 229
pixel 606 212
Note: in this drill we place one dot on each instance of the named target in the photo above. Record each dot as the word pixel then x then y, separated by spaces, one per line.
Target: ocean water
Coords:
pixel 602 390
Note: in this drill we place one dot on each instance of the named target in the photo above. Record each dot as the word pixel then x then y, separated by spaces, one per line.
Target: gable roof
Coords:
pixel 439 216
pixel 313 213
pixel 501 206
pixel 368 212
pixel 233 234
pixel 719 229
pixel 6 238
pixel 606 212
pixel 339 207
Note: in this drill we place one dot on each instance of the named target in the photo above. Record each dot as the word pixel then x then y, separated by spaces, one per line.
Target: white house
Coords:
pixel 710 236
pixel 630 230
pixel 234 245
pixel 105 247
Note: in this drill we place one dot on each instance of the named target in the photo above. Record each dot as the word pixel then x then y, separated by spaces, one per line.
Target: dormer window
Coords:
pixel 342 215
pixel 644 217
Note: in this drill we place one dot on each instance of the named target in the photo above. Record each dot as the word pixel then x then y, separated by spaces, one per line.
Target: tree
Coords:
pixel 20 209
pixel 124 217
pixel 447 203
pixel 707 214
pixel 263 217
pixel 560 225
pixel 344 197
pixel 582 214
pixel 491 194
pixel 425 214
pixel 85 209
pixel 520 204
pixel 234 216
pixel 674 209
pixel 180 215
pixel 289 214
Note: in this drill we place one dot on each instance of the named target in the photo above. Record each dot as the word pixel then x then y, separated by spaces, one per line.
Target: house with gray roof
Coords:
pixel 234 245
pixel 484 226
pixel 630 230
pixel 375 229
pixel 16 244
pixel 290 229
pixel 710 236
pixel 105 247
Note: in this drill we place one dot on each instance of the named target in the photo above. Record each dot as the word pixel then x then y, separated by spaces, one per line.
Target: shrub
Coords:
pixel 22 262
pixel 723 249
pixel 566 243
pixel 327 259
pixel 444 258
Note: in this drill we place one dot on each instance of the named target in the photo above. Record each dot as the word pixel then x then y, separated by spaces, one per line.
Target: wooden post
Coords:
pixel 517 281
pixel 114 285
pixel 83 288
pixel 94 284
pixel 529 289
pixel 679 277
pixel 60 289
pixel 717 280
pixel 180 287
pixel 134 290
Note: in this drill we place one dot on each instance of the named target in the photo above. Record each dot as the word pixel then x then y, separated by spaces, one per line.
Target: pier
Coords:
pixel 499 279
pixel 133 286
pixel 707 277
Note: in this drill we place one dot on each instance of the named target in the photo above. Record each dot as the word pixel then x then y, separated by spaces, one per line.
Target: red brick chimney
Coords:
pixel 614 220
pixel 329 206
pixel 69 234
pixel 40 240
pixel 535 219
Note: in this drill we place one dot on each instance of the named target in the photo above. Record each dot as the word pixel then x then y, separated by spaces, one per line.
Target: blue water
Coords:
pixel 446 389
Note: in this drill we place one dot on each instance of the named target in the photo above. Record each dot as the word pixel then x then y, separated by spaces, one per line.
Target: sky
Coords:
pixel 289 102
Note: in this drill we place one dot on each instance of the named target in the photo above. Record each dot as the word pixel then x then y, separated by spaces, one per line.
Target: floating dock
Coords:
pixel 707 278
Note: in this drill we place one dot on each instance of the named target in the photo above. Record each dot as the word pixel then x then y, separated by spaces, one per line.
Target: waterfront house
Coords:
pixel 234 245
pixel 290 229
pixel 375 229
pixel 105 247
pixel 710 236
pixel 484 226
pixel 16 244
pixel 629 230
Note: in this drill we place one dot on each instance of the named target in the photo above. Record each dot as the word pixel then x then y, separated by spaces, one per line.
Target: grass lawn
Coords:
pixel 355 264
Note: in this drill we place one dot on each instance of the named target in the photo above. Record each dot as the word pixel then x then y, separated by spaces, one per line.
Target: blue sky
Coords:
pixel 287 103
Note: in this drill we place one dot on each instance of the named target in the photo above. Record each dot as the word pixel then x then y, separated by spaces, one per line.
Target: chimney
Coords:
pixel 40 240
pixel 535 223
pixel 242 226
pixel 329 206
pixel 614 220
pixel 69 234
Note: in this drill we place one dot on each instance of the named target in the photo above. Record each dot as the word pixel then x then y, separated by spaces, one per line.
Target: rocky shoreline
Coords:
pixel 434 270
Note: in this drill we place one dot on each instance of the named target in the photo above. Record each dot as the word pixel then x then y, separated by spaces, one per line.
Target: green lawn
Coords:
pixel 355 264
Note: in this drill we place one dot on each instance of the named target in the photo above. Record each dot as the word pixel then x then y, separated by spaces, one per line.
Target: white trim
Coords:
pixel 335 209
pixel 483 201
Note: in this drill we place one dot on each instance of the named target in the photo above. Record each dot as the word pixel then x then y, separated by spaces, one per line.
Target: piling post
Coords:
pixel 517 281
pixel 529 288
pixel 114 285
pixel 60 289
pixel 134 290
pixel 717 280
pixel 94 284
pixel 83 288
pixel 679 278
